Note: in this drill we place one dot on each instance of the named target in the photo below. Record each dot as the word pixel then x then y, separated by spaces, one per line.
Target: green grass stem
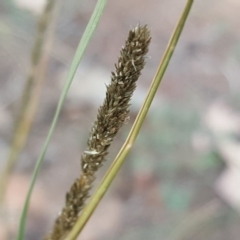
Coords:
pixel 119 160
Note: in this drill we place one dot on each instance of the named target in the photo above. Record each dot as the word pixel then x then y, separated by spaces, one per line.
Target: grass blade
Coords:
pixel 73 68
pixel 119 160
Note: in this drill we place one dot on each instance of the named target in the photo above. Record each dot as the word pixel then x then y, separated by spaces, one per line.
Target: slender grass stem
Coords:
pixel 30 96
pixel 196 220
pixel 73 68
pixel 119 160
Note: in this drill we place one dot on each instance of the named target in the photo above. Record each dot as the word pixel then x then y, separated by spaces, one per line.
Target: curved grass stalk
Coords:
pixel 92 24
pixel 119 160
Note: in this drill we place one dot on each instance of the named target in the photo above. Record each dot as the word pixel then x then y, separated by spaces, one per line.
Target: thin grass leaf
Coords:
pixel 92 24
pixel 119 160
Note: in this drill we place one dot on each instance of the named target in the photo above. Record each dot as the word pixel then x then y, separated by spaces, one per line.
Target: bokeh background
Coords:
pixel 181 180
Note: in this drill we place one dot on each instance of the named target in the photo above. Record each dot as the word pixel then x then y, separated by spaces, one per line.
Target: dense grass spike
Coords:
pixel 111 116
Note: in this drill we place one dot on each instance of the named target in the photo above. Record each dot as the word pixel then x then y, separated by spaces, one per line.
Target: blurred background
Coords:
pixel 181 180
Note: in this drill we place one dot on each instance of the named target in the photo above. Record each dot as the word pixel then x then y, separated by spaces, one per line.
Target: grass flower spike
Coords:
pixel 112 114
